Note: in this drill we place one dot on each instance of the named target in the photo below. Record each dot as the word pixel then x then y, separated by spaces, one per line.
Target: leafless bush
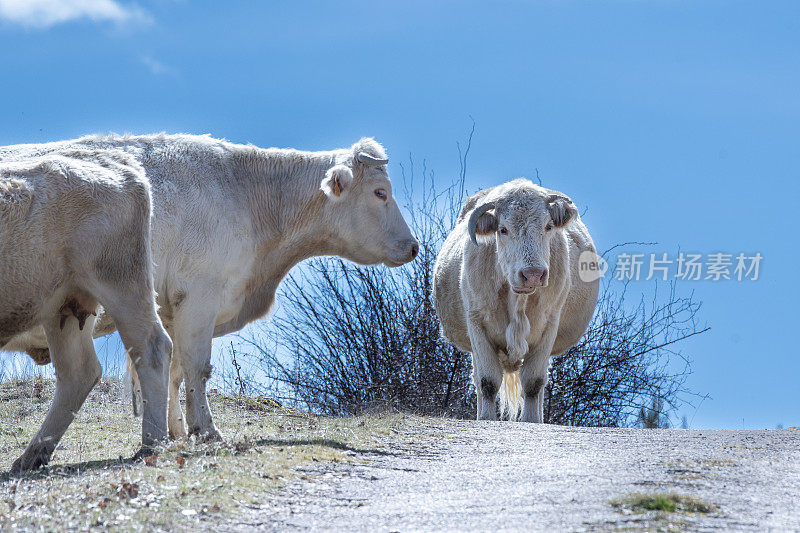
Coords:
pixel 626 361
pixel 352 339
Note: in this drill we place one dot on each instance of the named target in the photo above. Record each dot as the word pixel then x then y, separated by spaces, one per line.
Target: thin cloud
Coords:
pixel 46 13
pixel 157 67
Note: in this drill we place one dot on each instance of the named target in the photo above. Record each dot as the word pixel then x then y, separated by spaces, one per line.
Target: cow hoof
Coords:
pixel 144 452
pixel 208 436
pixel 31 460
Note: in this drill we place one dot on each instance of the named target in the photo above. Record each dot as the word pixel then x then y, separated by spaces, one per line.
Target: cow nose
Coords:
pixel 414 250
pixel 533 277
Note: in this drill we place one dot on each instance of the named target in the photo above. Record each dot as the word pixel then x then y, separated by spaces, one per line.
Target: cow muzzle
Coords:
pixel 528 279
pixel 404 253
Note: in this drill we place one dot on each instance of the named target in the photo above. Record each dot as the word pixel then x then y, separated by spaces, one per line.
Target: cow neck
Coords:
pixel 284 199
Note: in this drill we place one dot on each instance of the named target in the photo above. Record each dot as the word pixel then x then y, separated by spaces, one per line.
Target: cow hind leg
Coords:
pixel 77 371
pixel 131 304
pixel 175 424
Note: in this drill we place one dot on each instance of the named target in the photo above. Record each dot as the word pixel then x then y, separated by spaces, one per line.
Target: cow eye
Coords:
pixel 548 227
pixel 381 193
pixel 503 230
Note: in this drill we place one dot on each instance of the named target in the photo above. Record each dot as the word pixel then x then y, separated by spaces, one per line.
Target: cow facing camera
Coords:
pixel 591 266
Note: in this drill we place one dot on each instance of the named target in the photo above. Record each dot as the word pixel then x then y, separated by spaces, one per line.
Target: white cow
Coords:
pixel 75 232
pixel 508 289
pixel 230 221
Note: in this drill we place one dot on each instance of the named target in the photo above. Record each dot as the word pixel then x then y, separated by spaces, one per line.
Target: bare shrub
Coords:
pixel 626 362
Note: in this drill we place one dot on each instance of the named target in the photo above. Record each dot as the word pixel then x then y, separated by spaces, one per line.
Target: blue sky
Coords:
pixel 671 121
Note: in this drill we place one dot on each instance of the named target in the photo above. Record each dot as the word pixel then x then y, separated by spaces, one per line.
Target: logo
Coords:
pixel 591 266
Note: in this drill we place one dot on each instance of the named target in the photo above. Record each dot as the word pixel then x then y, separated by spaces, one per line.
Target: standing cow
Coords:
pixel 75 233
pixel 230 221
pixel 508 289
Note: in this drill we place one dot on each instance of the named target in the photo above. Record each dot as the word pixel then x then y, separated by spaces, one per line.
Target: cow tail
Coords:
pixel 511 396
pixel 134 384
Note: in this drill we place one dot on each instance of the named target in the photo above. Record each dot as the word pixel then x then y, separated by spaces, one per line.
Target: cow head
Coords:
pixel 366 220
pixel 521 218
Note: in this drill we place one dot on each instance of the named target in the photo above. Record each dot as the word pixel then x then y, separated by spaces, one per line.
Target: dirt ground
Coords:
pixel 283 471
pixel 500 476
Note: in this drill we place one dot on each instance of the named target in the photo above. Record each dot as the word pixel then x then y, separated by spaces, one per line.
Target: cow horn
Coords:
pixel 554 197
pixel 370 161
pixel 473 219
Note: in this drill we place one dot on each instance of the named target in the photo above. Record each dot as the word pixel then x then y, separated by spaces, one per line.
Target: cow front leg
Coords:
pixel 193 328
pixel 487 384
pixel 486 371
pixel 77 371
pixel 197 372
pixel 533 376
pixel 149 348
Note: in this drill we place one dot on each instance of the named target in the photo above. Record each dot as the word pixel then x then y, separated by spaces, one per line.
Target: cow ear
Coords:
pixel 337 182
pixel 486 223
pixel 562 210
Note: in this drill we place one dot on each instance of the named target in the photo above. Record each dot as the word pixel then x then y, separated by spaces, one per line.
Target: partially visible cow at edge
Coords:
pixel 230 221
pixel 75 233
pixel 507 289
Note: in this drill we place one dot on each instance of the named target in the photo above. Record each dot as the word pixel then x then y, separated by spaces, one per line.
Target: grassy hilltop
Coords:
pixel 89 484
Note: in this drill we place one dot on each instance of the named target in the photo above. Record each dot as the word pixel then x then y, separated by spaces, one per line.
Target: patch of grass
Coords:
pixel 716 463
pixel 89 485
pixel 692 471
pixel 661 523
pixel 665 502
pixel 739 447
pixel 689 475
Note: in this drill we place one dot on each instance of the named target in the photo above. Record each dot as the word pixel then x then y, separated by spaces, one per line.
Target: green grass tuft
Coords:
pixel 666 502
